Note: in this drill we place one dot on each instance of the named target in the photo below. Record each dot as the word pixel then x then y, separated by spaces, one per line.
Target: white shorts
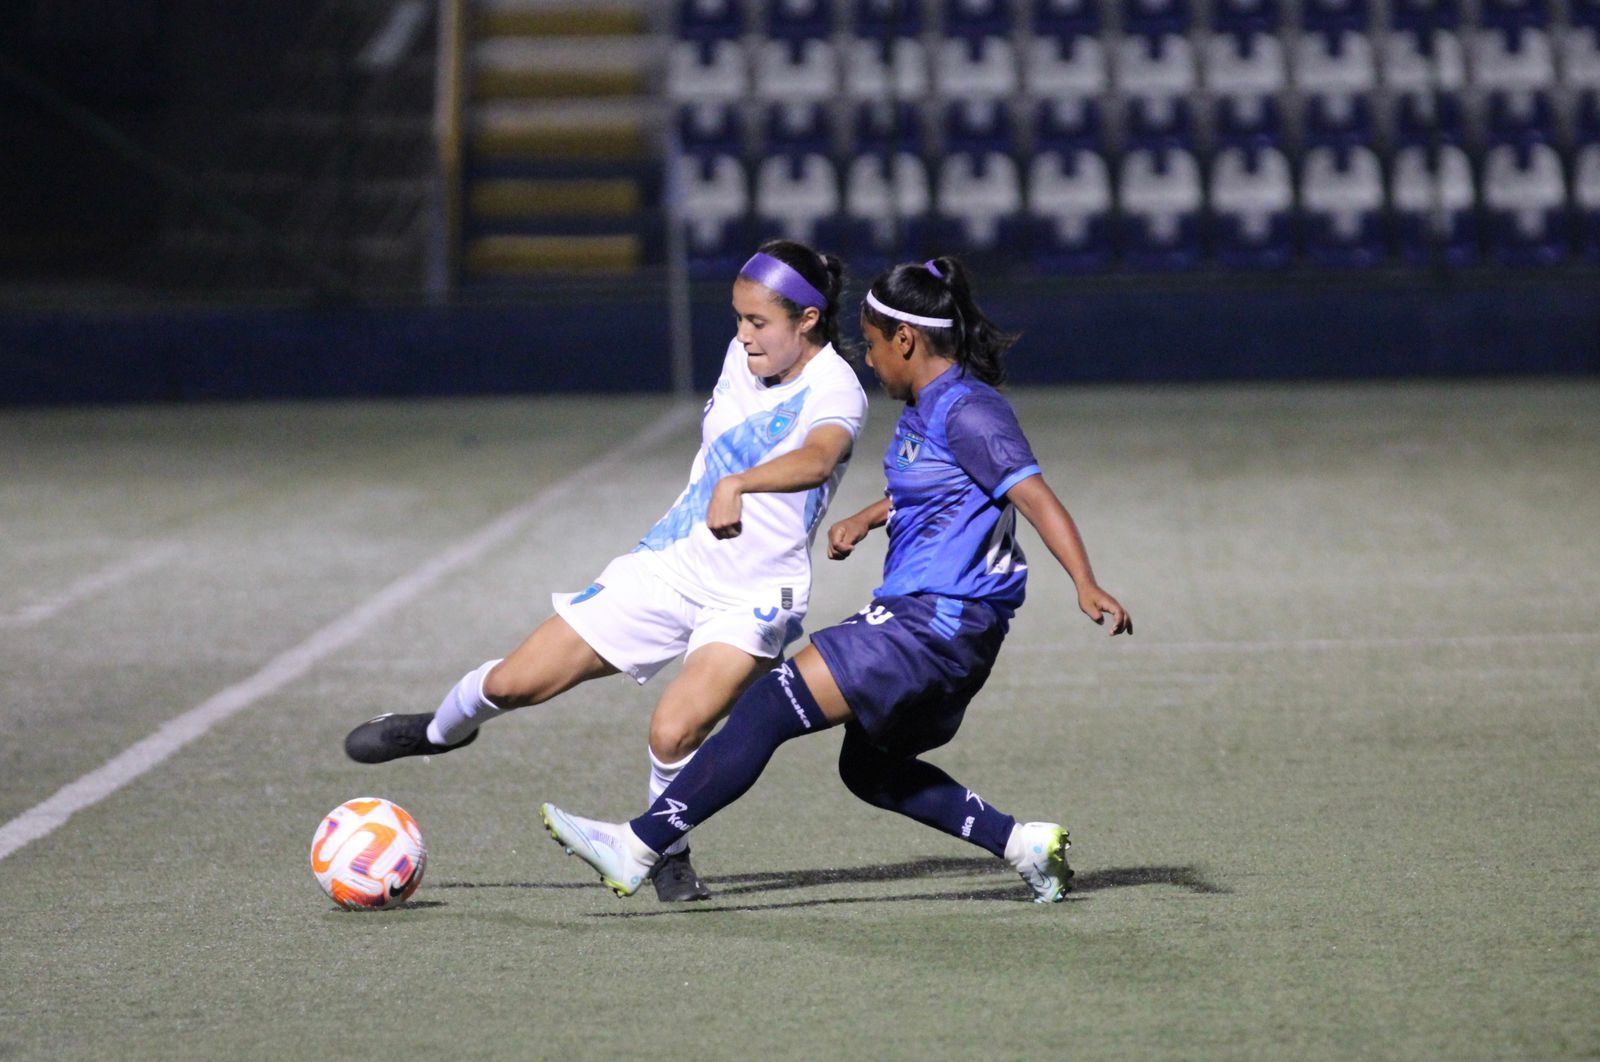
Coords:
pixel 638 624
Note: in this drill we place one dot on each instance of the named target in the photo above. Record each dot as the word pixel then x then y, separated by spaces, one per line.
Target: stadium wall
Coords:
pixel 1171 330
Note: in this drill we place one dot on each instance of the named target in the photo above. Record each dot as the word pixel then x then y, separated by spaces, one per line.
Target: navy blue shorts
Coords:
pixel 909 666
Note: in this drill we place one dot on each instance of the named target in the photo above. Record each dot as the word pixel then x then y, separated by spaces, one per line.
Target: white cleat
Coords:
pixel 1039 852
pixel 622 859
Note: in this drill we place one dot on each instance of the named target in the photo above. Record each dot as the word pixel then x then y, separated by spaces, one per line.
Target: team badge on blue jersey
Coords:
pixel 594 588
pixel 908 449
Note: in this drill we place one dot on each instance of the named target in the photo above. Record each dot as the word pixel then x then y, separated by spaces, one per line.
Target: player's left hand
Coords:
pixel 724 514
pixel 1097 604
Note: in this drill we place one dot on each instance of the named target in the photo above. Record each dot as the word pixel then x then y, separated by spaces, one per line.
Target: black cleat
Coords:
pixel 389 737
pixel 676 881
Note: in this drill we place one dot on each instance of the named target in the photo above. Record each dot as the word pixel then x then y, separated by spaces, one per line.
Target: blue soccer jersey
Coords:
pixel 954 456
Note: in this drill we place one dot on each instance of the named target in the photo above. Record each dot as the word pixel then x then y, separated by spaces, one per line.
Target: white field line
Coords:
pixel 43 819
pixel 89 586
pixel 1563 639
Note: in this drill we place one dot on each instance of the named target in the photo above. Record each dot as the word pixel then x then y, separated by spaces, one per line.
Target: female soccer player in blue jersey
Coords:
pixel 724 576
pixel 900 673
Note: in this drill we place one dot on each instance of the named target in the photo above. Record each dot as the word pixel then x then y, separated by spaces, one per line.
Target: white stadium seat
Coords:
pixel 797 192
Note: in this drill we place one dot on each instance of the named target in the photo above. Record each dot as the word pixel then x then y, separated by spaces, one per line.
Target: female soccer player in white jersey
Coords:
pixel 724 576
pixel 899 674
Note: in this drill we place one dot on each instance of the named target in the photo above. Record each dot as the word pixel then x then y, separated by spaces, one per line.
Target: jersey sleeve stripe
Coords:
pixel 854 424
pixel 1012 480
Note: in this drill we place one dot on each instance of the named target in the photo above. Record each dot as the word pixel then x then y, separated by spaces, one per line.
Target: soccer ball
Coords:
pixel 368 854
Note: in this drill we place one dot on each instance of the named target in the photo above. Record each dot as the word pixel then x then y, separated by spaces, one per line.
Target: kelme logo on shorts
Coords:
pixel 594 588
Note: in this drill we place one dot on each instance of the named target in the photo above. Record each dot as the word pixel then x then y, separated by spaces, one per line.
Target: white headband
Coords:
pixel 909 318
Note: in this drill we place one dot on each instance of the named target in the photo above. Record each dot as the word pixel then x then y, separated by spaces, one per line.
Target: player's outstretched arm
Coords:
pixel 1035 500
pixel 808 466
pixel 843 536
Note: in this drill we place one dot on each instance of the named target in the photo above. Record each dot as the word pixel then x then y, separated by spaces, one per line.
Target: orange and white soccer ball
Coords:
pixel 368 854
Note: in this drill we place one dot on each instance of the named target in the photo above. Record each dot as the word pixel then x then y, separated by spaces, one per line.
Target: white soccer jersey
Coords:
pixel 745 424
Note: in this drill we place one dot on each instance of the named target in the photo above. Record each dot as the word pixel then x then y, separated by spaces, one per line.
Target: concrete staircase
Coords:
pixel 560 169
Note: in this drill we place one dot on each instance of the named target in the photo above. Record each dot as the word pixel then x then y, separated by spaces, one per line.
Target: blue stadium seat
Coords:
pixel 1429 119
pixel 1525 204
pixel 1514 13
pixel 976 193
pixel 1342 206
pixel 1066 18
pixel 1246 16
pixel 1247 122
pixel 1519 118
pixel 708 19
pixel 1336 74
pixel 889 18
pixel 978 126
pixel 884 194
pixel 978 18
pixel 800 127
pixel 715 202
pixel 1068 196
pixel 1434 206
pixel 1153 122
pixel 1162 202
pixel 1245 74
pixel 793 193
pixel 1586 199
pixel 1252 207
pixel 1337 121
pixel 800 19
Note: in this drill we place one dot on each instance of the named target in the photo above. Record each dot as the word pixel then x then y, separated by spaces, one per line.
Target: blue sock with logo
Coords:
pixel 920 790
pixel 778 707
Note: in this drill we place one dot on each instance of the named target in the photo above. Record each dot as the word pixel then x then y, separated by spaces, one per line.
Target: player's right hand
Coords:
pixel 843 536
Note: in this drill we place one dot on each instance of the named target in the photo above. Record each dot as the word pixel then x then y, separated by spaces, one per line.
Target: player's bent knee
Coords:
pixel 671 739
pixel 864 770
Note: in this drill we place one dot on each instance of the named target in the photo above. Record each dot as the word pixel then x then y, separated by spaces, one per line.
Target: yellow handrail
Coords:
pixel 449 90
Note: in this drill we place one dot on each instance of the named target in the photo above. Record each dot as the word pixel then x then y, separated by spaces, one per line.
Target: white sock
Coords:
pixel 463 709
pixel 661 776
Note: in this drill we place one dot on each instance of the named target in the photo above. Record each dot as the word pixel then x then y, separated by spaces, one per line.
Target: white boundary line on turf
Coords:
pixel 90 585
pixel 44 818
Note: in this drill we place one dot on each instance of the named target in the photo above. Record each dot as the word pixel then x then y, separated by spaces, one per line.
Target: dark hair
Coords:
pixel 974 342
pixel 825 272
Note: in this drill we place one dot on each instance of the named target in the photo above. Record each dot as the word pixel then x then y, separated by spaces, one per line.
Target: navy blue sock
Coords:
pixel 778 707
pixel 921 791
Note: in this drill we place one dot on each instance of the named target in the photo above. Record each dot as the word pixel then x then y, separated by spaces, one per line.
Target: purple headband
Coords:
pixel 930 267
pixel 781 277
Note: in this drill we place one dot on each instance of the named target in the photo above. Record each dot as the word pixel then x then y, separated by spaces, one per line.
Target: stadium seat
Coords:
pixel 1245 74
pixel 976 68
pixel 1335 67
pixel 715 203
pixel 1158 121
pixel 1424 16
pixel 709 70
pixel 1335 121
pixel 1069 196
pixel 800 19
pixel 884 19
pixel 1233 17
pixel 791 70
pixel 1066 18
pixel 1252 204
pixel 1434 204
pixel 1155 17
pixel 876 68
pixel 978 18
pixel 797 128
pixel 1156 68
pixel 887 191
pixel 1524 200
pixel 977 192
pixel 1586 199
pixel 1067 124
pixel 1161 201
pixel 1335 16
pixel 1342 206
pixel 1058 68
pixel 884 126
pixel 1516 61
pixel 711 128
pixel 978 125
pixel 709 19
pixel 795 192
pixel 1421 63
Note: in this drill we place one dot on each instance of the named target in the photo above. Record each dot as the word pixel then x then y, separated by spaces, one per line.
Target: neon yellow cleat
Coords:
pixel 1039 852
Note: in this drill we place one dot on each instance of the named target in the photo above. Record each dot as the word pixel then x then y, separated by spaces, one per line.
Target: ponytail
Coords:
pixel 941 289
